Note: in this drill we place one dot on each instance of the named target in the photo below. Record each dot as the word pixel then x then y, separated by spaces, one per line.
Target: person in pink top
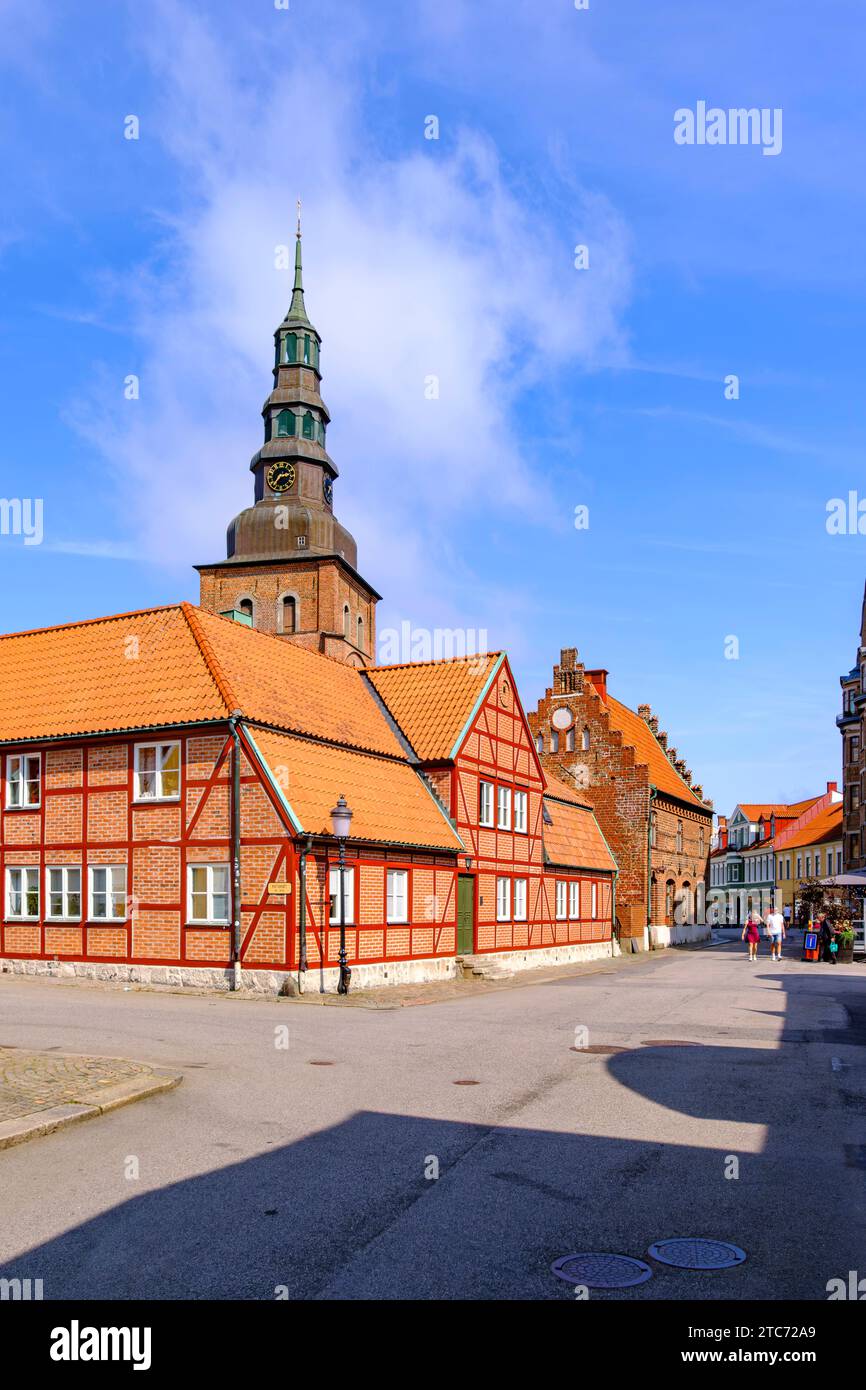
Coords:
pixel 752 934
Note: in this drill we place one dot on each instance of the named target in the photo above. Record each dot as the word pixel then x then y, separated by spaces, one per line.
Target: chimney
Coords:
pixel 687 776
pixel 698 791
pixel 568 658
pixel 672 755
pixel 599 680
pixel 832 787
pixel 645 712
pixel 653 722
pixel 663 739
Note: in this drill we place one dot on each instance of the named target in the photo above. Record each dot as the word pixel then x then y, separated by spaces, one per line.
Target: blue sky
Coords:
pixel 455 257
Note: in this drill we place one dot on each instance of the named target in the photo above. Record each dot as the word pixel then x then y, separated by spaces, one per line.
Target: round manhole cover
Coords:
pixel 697 1253
pixel 602 1271
pixel 466 1083
pixel 599 1049
pixel 321 1064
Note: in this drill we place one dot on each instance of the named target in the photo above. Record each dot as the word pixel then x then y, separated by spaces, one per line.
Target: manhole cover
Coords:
pixel 668 1042
pixel 602 1271
pixel 604 1049
pixel 466 1083
pixel 697 1253
pixel 321 1064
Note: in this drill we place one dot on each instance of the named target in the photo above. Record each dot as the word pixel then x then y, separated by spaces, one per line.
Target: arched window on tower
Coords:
pixel 360 641
pixel 291 350
pixel 584 740
pixel 288 613
pixel 245 605
pixel 268 425
pixel 569 741
pixel 347 622
pixel 306 347
pixel 285 423
pixel 308 426
pixel 554 741
pixel 539 743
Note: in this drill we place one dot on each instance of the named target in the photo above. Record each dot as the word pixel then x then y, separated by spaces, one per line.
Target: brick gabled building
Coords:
pixel 850 725
pixel 655 819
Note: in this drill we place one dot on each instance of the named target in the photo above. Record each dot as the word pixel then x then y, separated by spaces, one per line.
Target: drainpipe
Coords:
pixel 613 913
pixel 236 850
pixel 649 862
pixel 302 912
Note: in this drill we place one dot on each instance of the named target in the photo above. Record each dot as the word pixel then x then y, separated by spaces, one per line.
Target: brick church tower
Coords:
pixel 290 566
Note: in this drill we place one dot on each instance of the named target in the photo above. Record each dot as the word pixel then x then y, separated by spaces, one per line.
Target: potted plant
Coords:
pixel 845 942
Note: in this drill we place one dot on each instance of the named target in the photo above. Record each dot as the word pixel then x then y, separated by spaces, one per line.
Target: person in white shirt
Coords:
pixel 775 924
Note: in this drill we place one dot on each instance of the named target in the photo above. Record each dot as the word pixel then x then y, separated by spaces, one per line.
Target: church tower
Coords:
pixel 290 566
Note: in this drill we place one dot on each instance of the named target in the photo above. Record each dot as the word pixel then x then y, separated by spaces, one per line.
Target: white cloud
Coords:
pixel 423 264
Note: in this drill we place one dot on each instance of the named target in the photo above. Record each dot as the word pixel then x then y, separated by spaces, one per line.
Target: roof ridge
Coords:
pixel 221 681
pixel 90 622
pixel 433 661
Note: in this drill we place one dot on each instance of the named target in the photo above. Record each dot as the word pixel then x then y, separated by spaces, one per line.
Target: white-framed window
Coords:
pixel 503 899
pixel 485 803
pixel 574 898
pixel 593 910
pixel 23 780
pixel 561 897
pixel 569 741
pixel 348 896
pixel 107 892
pixel 539 743
pixel 503 808
pixel 398 895
pixel 554 741
pixel 22 894
pixel 520 900
pixel 157 771
pixel 799 866
pixel 808 866
pixel 520 812
pixel 63 889
pixel 585 740
pixel 208 894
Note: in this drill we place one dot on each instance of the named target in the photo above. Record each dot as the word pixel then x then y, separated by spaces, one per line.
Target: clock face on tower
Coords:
pixel 327 490
pixel 280 476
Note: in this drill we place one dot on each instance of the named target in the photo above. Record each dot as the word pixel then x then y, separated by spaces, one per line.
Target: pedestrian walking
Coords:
pixel 826 938
pixel 775 924
pixel 752 934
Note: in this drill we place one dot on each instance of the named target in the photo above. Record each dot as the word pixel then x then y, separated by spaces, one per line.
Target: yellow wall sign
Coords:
pixel 280 885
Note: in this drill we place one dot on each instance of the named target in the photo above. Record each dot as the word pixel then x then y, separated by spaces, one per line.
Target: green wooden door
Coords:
pixel 465 914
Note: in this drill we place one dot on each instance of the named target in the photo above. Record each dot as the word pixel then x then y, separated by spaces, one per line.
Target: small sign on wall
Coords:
pixel 279 885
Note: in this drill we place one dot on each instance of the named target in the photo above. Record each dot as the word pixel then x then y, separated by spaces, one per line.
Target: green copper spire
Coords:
pixel 297 310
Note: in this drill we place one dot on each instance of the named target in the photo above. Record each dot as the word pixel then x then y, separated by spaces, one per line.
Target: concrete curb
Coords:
pixel 42 1122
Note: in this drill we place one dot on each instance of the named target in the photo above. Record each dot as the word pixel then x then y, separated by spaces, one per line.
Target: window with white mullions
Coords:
pixel 23 780
pixel 107 892
pixel 348 896
pixel 520 812
pixel 485 803
pixel 208 897
pixel 22 894
pixel 574 899
pixel 503 899
pixel 64 893
pixel 157 771
pixel 561 890
pixel 520 900
pixel 397 906
pixel 503 803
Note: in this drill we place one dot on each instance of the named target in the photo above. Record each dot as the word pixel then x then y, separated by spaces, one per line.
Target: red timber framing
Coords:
pixel 88 816
pixel 497 747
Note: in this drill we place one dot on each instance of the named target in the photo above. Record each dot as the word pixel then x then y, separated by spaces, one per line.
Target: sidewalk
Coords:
pixel 44 1091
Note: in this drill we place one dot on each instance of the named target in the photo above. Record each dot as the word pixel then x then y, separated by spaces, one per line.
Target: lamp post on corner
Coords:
pixel 341 819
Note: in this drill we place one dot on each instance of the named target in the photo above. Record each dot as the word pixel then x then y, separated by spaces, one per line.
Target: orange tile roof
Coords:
pixel 178 665
pixel 572 837
pixel 754 810
pixel 826 825
pixel 555 786
pixel 432 700
pixel 638 735
pixel 390 800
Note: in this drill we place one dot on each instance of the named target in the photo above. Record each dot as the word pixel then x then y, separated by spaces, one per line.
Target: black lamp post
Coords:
pixel 341 819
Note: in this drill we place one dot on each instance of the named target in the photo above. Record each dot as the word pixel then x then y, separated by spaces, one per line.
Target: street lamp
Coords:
pixel 341 819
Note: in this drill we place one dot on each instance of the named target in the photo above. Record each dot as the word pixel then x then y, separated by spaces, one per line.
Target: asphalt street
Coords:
pixel 736 1109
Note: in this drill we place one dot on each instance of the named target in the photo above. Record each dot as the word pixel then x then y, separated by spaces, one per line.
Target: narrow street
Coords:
pixel 309 1168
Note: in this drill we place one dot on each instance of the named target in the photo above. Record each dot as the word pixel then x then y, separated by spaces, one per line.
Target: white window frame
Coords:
pixel 503 899
pixel 520 804
pixel 161 747
pixel 520 886
pixel 485 803
pixel 593 893
pixel 561 900
pixel 65 893
pixel 397 902
pixel 503 808
pixel 210 919
pixel 23 870
pixel 348 896
pixel 21 761
pixel 574 898
pixel 112 893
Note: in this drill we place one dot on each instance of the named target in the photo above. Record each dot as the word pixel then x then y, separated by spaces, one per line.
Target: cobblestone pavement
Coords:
pixel 31 1082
